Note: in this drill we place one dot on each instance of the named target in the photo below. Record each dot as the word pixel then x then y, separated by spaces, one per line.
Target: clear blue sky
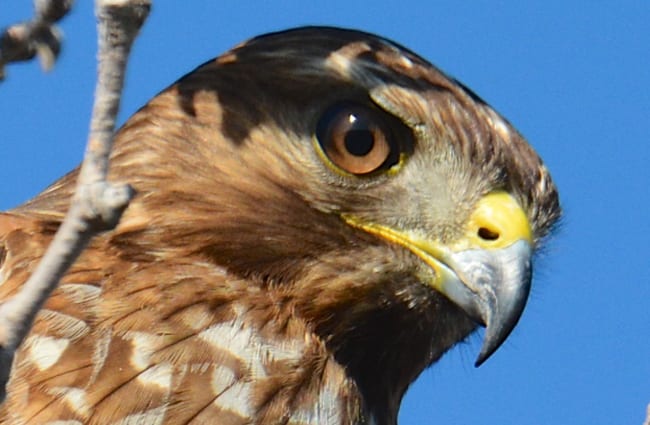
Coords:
pixel 575 79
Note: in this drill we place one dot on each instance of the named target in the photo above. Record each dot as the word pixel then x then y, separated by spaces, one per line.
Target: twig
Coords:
pixel 23 41
pixel 97 205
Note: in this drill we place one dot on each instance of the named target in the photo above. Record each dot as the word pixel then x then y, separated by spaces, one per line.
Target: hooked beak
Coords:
pixel 487 273
pixel 491 287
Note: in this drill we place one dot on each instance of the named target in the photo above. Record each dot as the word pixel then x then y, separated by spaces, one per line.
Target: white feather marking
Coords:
pixel 242 342
pixel 100 353
pixel 238 340
pixel 325 411
pixel 499 126
pixel 199 319
pixel 222 378
pixel 344 60
pixel 144 345
pixel 75 398
pixel 199 368
pixel 339 63
pixel 80 292
pixel 542 183
pixel 69 326
pixel 154 416
pixel 159 375
pixel 44 351
pixel 236 399
pixel 406 62
pixel 285 350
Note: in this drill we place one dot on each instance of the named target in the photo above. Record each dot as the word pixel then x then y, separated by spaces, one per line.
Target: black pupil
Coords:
pixel 359 142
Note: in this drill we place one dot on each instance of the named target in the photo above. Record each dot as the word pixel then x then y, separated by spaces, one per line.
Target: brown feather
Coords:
pixel 232 291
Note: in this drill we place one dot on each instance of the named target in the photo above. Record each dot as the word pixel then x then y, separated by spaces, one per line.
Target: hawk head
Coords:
pixel 356 202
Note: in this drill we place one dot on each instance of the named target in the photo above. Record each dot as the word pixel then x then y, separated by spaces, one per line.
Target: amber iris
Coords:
pixel 357 138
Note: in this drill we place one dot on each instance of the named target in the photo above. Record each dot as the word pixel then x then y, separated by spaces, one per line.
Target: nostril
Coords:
pixel 487 234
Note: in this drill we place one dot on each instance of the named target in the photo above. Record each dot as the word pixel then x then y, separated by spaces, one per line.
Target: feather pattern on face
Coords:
pixel 296 252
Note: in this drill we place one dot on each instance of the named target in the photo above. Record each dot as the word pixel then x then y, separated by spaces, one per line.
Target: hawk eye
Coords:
pixel 358 138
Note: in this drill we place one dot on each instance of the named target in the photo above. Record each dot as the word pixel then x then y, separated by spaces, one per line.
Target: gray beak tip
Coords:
pixel 492 341
pixel 502 315
pixel 504 297
pixel 482 357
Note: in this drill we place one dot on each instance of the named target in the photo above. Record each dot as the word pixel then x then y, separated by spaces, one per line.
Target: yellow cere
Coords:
pixel 500 215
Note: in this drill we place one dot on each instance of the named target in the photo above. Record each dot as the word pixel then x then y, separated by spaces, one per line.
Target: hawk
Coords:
pixel 320 215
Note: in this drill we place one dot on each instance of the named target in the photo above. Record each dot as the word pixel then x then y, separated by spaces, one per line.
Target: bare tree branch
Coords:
pixel 38 37
pixel 97 205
